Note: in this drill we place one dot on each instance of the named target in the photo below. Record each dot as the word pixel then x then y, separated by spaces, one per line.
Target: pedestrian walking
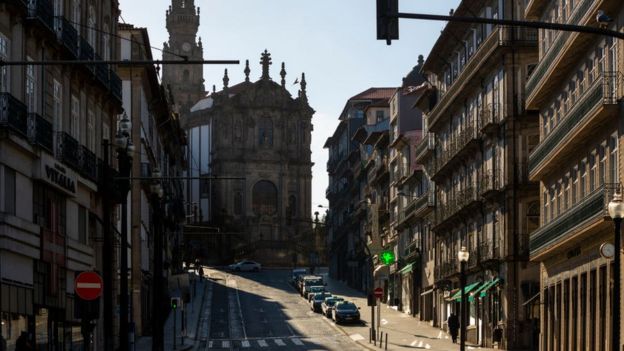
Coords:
pixel 23 343
pixel 453 325
pixel 201 273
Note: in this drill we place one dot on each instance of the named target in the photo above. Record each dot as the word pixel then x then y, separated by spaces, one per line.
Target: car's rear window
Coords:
pixel 346 306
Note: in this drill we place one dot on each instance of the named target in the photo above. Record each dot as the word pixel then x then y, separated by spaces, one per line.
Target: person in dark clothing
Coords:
pixel 453 325
pixel 23 343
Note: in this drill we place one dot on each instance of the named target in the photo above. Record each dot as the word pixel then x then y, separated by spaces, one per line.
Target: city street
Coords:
pixel 263 311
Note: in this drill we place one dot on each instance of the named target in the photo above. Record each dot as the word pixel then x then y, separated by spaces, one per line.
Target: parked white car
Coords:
pixel 246 266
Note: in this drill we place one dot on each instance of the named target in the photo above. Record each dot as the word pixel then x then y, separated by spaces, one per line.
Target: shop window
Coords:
pixel 9 191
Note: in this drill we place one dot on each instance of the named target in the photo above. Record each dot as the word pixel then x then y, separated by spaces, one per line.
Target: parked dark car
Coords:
pixel 296 273
pixel 317 300
pixel 328 305
pixel 345 311
pixel 313 290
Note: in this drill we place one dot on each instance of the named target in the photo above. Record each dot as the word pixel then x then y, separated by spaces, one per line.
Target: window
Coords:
pixel 583 183
pixel 574 184
pixel 9 191
pixel 91 26
pixel 31 84
pixel 379 115
pixel 552 203
pixel 82 224
pixel 58 12
pixel 265 132
pixel 566 193
pixel 592 172
pixel 74 121
pixel 4 70
pixel 91 142
pixel 613 159
pixel 75 16
pixel 57 108
pixel 602 167
pixel 264 198
pixel 106 50
pixel 545 207
pixel 49 209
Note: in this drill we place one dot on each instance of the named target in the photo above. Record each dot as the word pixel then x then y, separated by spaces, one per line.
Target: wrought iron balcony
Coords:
pixel 490 181
pixel 517 36
pixel 425 147
pixel 13 114
pixel 101 72
pixel 555 52
pixel 67 34
pixel 115 85
pixel 40 132
pixel 68 150
pixel 86 51
pixel 88 163
pixel 489 118
pixel 42 11
pixel 604 91
pixel 591 208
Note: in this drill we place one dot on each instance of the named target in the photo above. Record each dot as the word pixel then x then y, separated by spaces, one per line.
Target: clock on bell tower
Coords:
pixel 185 81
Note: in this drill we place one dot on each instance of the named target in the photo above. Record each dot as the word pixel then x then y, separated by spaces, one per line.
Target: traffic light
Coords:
pixel 387 22
pixel 387 257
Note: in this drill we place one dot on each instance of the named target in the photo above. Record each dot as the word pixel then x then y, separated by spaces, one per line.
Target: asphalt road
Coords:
pixel 262 311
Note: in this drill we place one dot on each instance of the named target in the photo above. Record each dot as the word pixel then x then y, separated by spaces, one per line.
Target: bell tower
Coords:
pixel 185 81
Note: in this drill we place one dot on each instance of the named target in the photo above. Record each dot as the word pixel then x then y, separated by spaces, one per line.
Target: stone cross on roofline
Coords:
pixel 265 61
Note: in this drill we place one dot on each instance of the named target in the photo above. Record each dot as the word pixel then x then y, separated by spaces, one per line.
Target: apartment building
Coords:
pixel 54 120
pixel 482 136
pixel 576 85
pixel 159 142
pixel 348 176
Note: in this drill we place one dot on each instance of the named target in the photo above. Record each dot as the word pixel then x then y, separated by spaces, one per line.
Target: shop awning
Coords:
pixel 532 299
pixel 426 292
pixel 467 289
pixel 485 287
pixel 407 269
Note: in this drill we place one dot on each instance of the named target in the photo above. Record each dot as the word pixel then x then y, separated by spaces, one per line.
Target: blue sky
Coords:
pixel 332 41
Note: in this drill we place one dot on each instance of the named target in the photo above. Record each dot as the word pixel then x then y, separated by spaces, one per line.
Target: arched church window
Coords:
pixel 265 132
pixel 264 198
pixel 185 76
pixel 238 203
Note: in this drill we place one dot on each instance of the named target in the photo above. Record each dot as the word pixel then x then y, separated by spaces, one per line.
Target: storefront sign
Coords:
pixel 54 173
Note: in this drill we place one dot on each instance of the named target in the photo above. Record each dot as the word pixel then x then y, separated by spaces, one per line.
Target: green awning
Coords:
pixel 487 286
pixel 407 269
pixel 467 289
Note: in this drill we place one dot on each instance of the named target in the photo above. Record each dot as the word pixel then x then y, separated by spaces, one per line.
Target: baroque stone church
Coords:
pixel 250 142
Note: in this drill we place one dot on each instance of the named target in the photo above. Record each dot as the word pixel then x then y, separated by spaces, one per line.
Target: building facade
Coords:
pixel 260 172
pixel 576 86
pixel 54 121
pixel 483 135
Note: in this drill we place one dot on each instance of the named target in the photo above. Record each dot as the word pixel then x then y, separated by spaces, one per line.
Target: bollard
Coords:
pixel 370 335
pixel 386 341
pixel 381 340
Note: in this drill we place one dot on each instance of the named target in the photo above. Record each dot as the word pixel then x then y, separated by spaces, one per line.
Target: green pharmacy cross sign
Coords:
pixel 387 257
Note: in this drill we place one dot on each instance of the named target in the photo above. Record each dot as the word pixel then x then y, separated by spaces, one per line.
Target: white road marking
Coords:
pixel 225 344
pixel 297 342
pixel 245 343
pixel 263 343
pixel 279 342
pixel 356 337
pixel 384 322
pixel 428 347
pixel 420 344
pixel 440 335
pixel 414 343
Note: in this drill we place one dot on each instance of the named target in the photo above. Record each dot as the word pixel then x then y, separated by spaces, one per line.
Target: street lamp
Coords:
pixel 463 255
pixel 616 212
pixel 125 149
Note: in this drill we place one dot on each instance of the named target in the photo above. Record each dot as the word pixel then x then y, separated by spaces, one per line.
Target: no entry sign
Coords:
pixel 88 285
pixel 378 292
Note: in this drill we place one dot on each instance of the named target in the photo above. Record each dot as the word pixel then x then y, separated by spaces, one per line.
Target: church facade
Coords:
pixel 260 170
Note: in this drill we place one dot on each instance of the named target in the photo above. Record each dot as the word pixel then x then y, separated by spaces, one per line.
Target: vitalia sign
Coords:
pixel 56 174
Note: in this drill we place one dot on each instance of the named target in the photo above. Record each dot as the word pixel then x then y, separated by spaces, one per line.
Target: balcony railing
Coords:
pixel 490 117
pixel 88 163
pixel 102 71
pixel 68 150
pixel 42 11
pixel 592 206
pixel 517 36
pixel 86 50
pixel 555 49
pixel 67 34
pixel 490 181
pixel 13 114
pixel 115 85
pixel 40 132
pixel 604 91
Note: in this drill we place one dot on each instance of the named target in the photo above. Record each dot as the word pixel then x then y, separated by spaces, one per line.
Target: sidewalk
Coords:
pixel 403 331
pixel 191 312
